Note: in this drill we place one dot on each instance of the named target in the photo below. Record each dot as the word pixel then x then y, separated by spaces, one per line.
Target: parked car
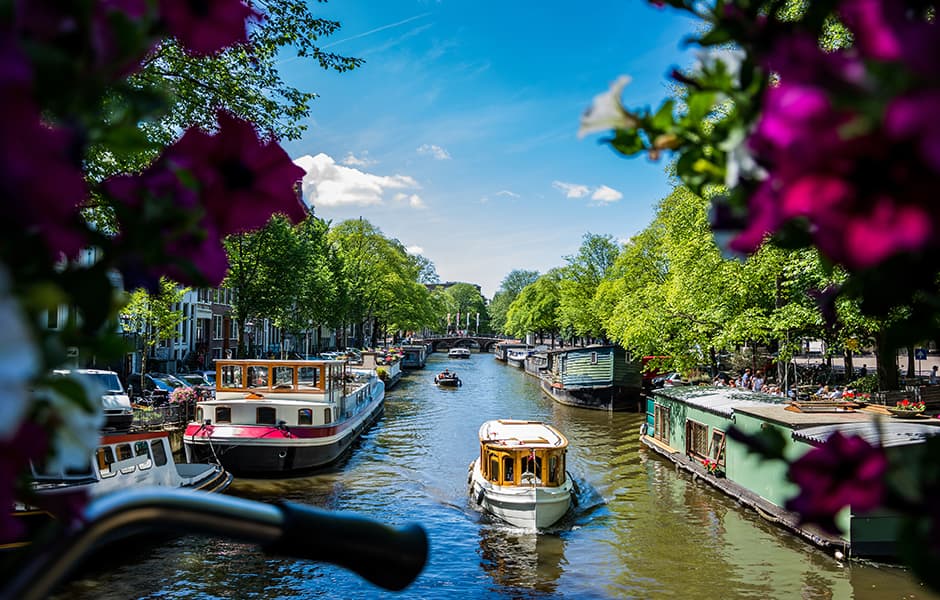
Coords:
pixel 156 387
pixel 118 412
pixel 198 381
pixel 668 380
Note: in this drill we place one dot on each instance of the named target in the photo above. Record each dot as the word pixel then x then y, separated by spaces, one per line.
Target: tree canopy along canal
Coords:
pixel 639 529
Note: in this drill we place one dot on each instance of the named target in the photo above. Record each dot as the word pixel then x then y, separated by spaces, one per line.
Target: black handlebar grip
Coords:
pixel 388 557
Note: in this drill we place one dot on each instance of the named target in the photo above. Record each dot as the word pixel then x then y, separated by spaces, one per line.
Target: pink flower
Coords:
pixel 843 471
pixel 207 26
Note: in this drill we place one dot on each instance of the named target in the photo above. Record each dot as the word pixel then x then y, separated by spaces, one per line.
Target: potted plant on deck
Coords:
pixel 905 409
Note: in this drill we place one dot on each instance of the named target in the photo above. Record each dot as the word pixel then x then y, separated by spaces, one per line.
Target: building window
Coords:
pixel 265 415
pixel 217 327
pixel 305 416
pixel 661 417
pixel 717 450
pixel 223 414
pixel 696 439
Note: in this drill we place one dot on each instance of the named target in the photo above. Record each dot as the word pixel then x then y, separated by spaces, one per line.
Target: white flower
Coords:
pixel 79 431
pixel 19 361
pixel 607 112
pixel 731 58
pixel 740 161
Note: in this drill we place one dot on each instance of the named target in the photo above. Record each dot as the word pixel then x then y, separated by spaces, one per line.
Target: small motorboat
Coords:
pixel 520 474
pixel 447 379
pixel 458 353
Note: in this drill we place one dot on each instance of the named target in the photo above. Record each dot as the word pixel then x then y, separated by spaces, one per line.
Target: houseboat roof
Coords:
pixel 721 400
pixel 593 348
pixel 801 420
pixel 515 434
pixel 885 432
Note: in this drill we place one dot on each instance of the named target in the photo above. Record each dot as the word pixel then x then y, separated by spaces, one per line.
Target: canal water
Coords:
pixel 640 529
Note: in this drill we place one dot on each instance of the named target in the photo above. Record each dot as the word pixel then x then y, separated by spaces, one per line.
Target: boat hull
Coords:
pixel 526 507
pixel 611 398
pixel 252 451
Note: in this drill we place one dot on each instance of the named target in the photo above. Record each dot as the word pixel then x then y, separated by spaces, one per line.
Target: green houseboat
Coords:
pixel 598 377
pixel 687 425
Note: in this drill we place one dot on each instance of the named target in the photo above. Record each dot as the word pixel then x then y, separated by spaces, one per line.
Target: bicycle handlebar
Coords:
pixel 388 557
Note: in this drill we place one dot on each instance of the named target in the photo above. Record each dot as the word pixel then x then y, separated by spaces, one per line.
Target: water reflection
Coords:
pixel 520 561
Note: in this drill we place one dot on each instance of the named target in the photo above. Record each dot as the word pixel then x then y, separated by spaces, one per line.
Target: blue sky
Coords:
pixel 458 136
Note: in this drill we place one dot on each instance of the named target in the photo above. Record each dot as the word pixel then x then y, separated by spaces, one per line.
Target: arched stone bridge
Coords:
pixel 485 343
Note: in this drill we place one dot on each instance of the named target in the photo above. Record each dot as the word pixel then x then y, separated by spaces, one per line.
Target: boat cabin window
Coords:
pixel 327 415
pixel 508 472
pixel 553 470
pixel 232 377
pixel 223 414
pixel 532 465
pixel 124 452
pixel 593 358
pixel 717 449
pixel 142 449
pixel 159 452
pixel 257 377
pixel 661 416
pixel 283 377
pixel 199 415
pixel 696 439
pixel 305 416
pixel 265 415
pixel 105 458
pixel 493 474
pixel 308 377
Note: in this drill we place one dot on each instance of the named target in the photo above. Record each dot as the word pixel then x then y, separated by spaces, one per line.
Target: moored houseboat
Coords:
pixel 597 377
pixel 121 461
pixel 687 425
pixel 519 475
pixel 386 364
pixel 515 357
pixel 415 356
pixel 536 363
pixel 275 418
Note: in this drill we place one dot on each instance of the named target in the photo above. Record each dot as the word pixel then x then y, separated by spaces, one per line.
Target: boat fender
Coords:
pixel 481 496
pixel 644 428
pixel 574 483
pixel 574 498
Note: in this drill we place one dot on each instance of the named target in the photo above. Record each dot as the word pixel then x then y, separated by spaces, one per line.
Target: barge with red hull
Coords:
pixel 278 418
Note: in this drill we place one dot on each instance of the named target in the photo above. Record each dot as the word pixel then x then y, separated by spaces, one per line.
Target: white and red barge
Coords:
pixel 273 418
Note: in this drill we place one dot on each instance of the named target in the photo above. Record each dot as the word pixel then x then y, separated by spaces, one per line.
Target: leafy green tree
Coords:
pixel 465 299
pixel 509 290
pixel 154 317
pixel 580 280
pixel 535 310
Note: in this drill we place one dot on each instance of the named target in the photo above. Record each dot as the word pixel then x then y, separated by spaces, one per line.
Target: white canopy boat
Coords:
pixel 520 474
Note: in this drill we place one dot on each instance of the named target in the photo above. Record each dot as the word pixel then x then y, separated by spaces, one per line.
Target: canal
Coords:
pixel 640 529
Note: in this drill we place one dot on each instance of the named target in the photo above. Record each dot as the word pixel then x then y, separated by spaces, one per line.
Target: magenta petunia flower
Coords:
pixel 207 26
pixel 889 31
pixel 245 180
pixel 844 471
pixel 913 117
pixel 30 443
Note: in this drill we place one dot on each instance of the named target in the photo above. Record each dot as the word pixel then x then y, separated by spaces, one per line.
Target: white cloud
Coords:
pixel 572 190
pixel 413 200
pixel 606 194
pixel 434 150
pixel 329 184
pixel 414 250
pixel 351 160
pixel 507 193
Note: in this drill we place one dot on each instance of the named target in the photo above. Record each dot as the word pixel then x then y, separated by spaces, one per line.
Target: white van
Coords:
pixel 118 412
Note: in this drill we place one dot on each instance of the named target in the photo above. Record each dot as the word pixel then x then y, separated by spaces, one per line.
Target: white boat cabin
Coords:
pixel 278 392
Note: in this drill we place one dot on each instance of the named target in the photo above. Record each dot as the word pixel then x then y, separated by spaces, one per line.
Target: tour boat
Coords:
pixel 458 353
pixel 520 474
pixel 273 418
pixel 516 357
pixel 447 379
pixel 121 461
